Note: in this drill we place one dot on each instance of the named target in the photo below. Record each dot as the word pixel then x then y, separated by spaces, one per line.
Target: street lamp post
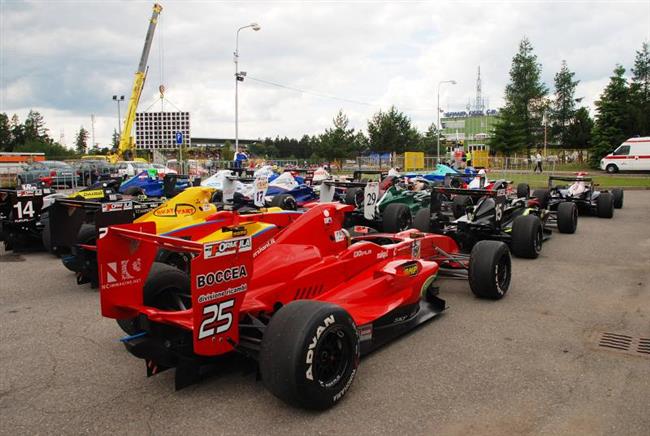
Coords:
pixel 453 82
pixel 119 115
pixel 239 77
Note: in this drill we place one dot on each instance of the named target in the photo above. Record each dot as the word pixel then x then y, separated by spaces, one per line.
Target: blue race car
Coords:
pixel 152 186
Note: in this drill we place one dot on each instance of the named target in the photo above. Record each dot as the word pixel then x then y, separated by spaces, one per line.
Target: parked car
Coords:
pixel 131 168
pixel 51 172
pixel 89 171
pixel 632 155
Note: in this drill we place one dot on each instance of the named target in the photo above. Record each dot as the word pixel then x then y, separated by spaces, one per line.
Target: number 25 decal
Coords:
pixel 216 313
pixel 25 210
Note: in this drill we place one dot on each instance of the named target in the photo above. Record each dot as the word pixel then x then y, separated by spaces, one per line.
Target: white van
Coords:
pixel 632 155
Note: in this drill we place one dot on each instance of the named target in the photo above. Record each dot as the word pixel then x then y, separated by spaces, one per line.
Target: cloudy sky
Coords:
pixel 67 59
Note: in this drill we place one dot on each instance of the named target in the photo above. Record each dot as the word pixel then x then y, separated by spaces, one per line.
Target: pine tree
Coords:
pixel 337 142
pixel 392 132
pixel 35 127
pixel 578 133
pixel 563 109
pixel 613 116
pixel 81 140
pixel 640 92
pixel 524 103
pixel 5 133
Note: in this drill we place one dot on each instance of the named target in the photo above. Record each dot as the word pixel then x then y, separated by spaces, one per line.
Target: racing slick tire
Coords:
pixel 310 354
pixel 490 269
pixel 396 218
pixel 284 201
pixel 46 235
pixel 523 190
pixel 217 196
pixel 527 236
pixel 422 220
pixel 459 205
pixel 134 191
pixel 166 288
pixel 354 197
pixel 605 205
pixel 567 217
pixel 543 195
pixel 617 194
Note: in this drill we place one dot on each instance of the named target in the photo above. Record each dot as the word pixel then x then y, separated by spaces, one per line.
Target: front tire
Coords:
pixel 527 236
pixel 617 194
pixel 605 205
pixel 523 190
pixel 490 269
pixel 396 218
pixel 611 169
pixel 567 217
pixel 310 354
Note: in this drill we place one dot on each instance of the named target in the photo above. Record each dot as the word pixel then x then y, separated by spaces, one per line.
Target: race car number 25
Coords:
pixel 217 318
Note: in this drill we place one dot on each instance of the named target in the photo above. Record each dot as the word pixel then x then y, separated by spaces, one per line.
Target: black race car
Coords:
pixel 20 216
pixel 493 215
pixel 580 192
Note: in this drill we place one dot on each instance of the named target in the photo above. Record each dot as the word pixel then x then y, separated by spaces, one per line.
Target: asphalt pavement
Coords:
pixel 528 364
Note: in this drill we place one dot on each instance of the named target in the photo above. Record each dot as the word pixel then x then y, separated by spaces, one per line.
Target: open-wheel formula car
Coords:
pixel 144 183
pixel 304 301
pixel 20 216
pixel 388 205
pixel 492 215
pixel 582 193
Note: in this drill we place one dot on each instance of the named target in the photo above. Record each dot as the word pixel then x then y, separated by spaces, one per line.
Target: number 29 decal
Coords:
pixel 217 318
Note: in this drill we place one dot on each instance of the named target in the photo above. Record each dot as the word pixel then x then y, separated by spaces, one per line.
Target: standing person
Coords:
pixel 538 163
pixel 469 158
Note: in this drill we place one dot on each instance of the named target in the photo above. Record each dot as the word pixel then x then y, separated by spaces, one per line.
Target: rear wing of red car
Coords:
pixel 219 278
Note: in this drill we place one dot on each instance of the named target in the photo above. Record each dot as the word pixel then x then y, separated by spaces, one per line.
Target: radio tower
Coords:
pixel 479 106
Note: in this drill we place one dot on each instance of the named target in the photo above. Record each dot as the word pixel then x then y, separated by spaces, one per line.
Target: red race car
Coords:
pixel 305 300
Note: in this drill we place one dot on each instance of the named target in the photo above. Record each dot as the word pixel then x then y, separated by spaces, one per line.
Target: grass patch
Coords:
pixel 541 180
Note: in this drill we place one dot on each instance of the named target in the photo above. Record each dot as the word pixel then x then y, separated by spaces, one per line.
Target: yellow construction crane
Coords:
pixel 126 148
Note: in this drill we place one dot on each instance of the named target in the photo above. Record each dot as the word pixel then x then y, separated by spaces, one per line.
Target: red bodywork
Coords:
pixel 313 258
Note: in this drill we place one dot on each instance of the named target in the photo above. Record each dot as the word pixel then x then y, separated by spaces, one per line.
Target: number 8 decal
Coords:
pixel 216 313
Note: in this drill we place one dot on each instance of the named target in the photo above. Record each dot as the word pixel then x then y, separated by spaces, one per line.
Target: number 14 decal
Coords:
pixel 216 313
pixel 26 209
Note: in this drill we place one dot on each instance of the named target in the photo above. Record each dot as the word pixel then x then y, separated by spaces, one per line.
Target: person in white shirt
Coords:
pixel 538 163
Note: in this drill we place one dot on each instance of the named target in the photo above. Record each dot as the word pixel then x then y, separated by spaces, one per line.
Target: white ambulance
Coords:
pixel 632 155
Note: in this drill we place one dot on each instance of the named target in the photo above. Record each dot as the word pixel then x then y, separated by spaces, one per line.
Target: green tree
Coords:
pixel 35 127
pixel 81 140
pixel 612 116
pixel 429 141
pixel 337 142
pixel 563 110
pixel 17 132
pixel 392 132
pixel 5 133
pixel 115 140
pixel 578 133
pixel 640 93
pixel 524 103
pixel 227 152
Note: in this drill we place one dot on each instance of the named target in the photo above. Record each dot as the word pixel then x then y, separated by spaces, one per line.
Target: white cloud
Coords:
pixel 67 59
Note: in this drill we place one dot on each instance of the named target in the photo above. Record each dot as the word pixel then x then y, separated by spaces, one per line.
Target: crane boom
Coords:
pixel 126 148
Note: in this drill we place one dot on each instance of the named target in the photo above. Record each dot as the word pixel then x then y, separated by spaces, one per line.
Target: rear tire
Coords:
pixel 354 197
pixel 617 194
pixel 490 269
pixel 284 201
pixel 523 190
pixel 460 204
pixel 605 205
pixel 422 220
pixel 543 195
pixel 396 218
pixel 310 354
pixel 166 288
pixel 46 235
pixel 567 217
pixel 527 236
